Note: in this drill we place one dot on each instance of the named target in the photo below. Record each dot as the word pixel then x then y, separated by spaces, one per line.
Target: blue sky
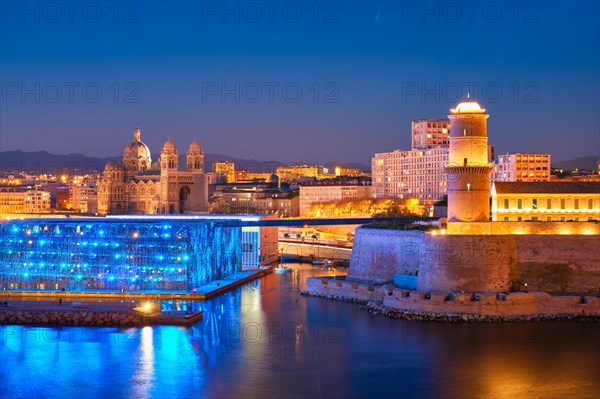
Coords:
pixel 296 81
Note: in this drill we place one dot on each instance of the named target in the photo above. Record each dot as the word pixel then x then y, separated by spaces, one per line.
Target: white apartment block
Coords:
pixel 522 167
pixel 430 133
pixel 314 194
pixel 410 174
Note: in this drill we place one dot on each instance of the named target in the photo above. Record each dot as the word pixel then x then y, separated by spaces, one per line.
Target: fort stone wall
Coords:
pixel 555 263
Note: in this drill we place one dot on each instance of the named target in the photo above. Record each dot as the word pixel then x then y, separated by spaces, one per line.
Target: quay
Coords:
pixel 202 293
pixel 397 302
pixel 92 314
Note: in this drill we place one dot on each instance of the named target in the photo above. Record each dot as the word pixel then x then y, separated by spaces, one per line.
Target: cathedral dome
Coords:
pixel 468 107
pixel 137 149
pixel 113 166
pixel 195 148
pixel 169 147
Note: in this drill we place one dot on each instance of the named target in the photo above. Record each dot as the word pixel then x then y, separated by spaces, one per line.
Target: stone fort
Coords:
pixel 474 254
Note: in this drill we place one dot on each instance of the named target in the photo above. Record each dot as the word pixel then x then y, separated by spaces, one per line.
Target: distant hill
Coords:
pixel 45 162
pixel 589 163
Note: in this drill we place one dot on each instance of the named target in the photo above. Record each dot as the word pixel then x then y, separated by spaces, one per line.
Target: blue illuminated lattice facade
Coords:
pixel 116 254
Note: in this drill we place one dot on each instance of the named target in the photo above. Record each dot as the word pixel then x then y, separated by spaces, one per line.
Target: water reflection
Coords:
pixel 143 379
pixel 265 340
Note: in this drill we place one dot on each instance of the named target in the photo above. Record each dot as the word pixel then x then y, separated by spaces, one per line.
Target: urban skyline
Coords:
pixel 360 71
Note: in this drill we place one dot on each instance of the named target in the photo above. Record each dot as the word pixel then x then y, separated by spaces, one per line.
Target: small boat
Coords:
pixel 282 269
pixel 324 262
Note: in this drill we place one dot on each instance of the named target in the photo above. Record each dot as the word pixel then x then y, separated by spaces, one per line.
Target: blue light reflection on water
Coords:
pixel 265 340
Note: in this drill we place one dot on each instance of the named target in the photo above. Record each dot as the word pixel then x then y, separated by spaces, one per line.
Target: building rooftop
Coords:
pixel 547 187
pixel 18 189
pixel 468 107
pixel 337 184
pixel 432 120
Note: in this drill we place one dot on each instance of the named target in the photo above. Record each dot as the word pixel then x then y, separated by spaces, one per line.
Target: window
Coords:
pixel 590 204
pixel 549 203
pixel 519 203
pixel 535 218
pixel 505 203
pixel 506 218
pixel 549 218
pixel 534 203
pixel 576 204
pixel 519 219
pixel 563 203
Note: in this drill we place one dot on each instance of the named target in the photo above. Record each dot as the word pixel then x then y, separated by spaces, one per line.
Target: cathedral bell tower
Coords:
pixel 169 157
pixel 195 158
pixel 169 165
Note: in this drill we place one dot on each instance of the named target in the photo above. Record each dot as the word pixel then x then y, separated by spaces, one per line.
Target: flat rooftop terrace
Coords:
pixel 226 220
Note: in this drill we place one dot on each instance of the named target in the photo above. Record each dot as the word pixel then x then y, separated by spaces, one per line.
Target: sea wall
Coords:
pixel 493 304
pixel 470 263
pixel 349 290
pixel 555 263
pixel 99 318
pixel 441 305
pixel 94 315
pixel 561 264
pixel 378 254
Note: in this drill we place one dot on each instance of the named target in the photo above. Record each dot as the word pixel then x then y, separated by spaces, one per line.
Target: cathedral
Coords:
pixel 138 186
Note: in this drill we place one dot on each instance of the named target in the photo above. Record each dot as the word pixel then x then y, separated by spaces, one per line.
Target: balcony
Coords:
pixel 469 168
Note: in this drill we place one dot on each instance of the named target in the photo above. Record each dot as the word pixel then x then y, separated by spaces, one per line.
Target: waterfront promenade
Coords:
pixel 388 299
pixel 202 293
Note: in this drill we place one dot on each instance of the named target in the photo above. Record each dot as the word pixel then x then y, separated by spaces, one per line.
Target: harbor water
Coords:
pixel 265 340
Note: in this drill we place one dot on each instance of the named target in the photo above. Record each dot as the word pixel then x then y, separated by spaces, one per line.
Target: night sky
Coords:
pixel 78 80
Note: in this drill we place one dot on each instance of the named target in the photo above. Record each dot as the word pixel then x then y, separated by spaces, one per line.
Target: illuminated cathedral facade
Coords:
pixel 138 186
